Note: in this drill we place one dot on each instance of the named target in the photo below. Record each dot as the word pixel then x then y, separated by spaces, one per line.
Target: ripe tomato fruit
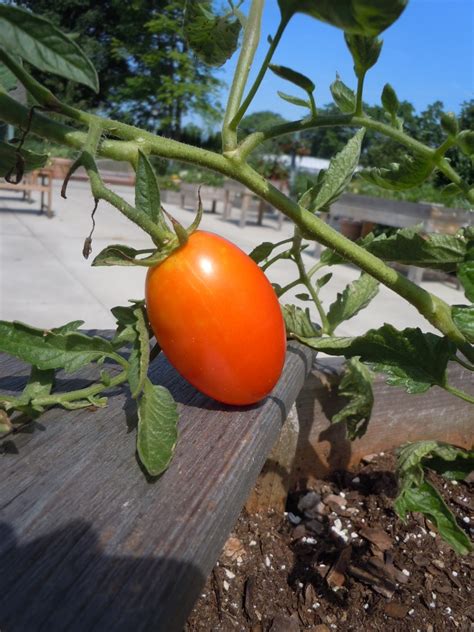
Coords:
pixel 217 318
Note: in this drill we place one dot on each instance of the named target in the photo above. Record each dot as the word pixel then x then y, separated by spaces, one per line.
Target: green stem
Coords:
pixel 83 393
pixel 306 281
pixel 256 84
pixel 360 89
pixel 297 281
pixel 247 53
pixel 455 391
pixel 436 311
pixel 281 255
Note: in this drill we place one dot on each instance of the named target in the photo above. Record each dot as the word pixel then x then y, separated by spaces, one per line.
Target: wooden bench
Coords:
pixel 36 181
pixel 88 543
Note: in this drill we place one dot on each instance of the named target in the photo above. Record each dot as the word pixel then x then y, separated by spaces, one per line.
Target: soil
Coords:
pixel 340 559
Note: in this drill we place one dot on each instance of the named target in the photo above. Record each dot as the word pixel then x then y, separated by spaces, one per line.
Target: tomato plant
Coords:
pixel 217 319
pixel 213 312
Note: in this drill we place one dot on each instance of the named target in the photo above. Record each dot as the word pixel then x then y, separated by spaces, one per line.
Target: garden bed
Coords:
pixel 340 559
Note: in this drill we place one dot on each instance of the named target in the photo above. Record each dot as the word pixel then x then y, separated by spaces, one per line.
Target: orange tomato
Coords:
pixel 217 319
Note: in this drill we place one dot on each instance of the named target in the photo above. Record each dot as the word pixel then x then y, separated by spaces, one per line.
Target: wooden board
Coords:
pixel 88 543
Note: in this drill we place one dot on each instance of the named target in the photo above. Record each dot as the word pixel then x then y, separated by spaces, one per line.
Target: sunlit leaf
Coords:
pixel 466 278
pixel 337 176
pixel 463 316
pixel 48 350
pixel 214 38
pixel 408 246
pixel 390 100
pixel 410 358
pixel 427 500
pixel 294 100
pixel 412 171
pixel 157 428
pixel 355 296
pixel 343 96
pixel 298 322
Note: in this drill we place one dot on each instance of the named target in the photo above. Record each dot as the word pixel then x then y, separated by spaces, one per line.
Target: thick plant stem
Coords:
pixel 436 311
pixel 84 393
pixel 247 53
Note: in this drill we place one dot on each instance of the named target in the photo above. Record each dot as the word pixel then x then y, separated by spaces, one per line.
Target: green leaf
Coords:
pixel 7 79
pixel 262 251
pixel 465 142
pixel 356 384
pixel 47 350
pixel 355 296
pixel 408 246
pixel 449 123
pixel 298 322
pixel 140 353
pixel 365 52
pixel 121 255
pixel 304 296
pixel 463 316
pixel 455 465
pixel 337 177
pixel 294 100
pixel 412 171
pixel 40 43
pixel 466 278
pixel 368 17
pixel 147 193
pixel 390 100
pixel 8 159
pixel 298 79
pixel 74 325
pixel 426 499
pixel 322 281
pixel 343 96
pixel 40 384
pixel 157 428
pixel 213 38
pixel 411 359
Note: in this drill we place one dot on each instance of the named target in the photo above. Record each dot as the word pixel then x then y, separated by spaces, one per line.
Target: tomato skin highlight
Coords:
pixel 217 319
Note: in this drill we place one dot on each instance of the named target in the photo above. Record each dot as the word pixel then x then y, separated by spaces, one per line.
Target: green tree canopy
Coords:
pixel 146 75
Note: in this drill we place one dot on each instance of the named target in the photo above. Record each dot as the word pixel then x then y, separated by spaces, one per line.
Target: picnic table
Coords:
pixel 39 181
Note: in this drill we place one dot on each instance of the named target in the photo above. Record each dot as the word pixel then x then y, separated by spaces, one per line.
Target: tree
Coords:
pixel 147 76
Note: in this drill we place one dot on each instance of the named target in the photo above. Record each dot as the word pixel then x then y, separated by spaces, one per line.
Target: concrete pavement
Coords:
pixel 45 281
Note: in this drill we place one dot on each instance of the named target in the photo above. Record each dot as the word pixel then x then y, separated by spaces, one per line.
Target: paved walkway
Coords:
pixel 45 281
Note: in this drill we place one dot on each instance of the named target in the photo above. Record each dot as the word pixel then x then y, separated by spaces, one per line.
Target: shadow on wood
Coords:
pixel 43 576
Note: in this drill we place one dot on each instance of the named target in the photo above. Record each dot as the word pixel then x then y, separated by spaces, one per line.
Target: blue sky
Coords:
pixel 428 54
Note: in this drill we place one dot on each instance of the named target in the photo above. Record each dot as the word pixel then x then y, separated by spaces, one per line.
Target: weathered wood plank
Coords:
pixel 88 543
